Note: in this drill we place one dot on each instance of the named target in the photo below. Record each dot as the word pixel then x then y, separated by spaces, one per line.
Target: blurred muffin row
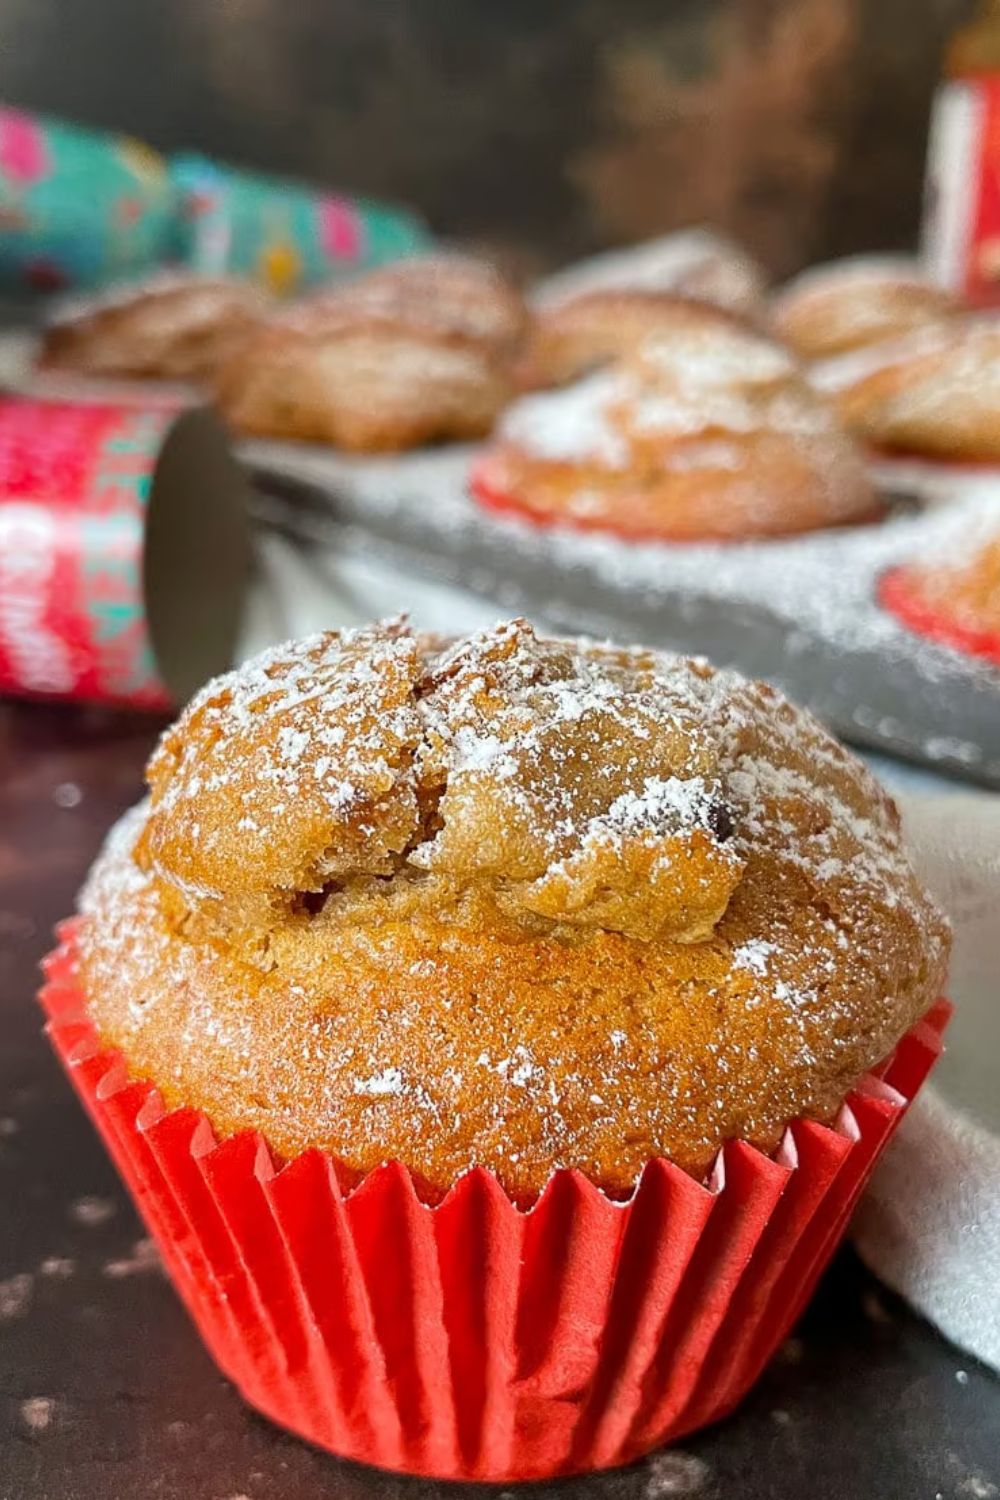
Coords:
pixel 658 393
pixel 434 350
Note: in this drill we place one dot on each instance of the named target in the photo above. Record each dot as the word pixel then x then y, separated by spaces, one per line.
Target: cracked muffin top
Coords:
pixel 508 901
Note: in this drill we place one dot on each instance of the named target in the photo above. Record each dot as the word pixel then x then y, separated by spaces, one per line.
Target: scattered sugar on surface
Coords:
pixel 15 1296
pixel 91 1211
pixel 820 587
pixel 58 1267
pixel 37 1413
pixel 675 1473
pixel 143 1258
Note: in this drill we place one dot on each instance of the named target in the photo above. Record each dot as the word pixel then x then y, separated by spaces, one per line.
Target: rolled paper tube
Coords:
pixel 78 207
pixel 123 551
pixel 283 233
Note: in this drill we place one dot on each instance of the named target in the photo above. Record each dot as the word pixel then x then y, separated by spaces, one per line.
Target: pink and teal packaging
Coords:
pixel 78 208
pixel 282 233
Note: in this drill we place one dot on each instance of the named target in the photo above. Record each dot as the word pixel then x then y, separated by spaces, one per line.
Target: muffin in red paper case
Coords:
pixel 497 1034
pixel 952 599
pixel 931 394
pixel 710 433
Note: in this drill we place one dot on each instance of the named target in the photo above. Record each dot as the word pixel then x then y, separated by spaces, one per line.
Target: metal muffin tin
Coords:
pixel 801 612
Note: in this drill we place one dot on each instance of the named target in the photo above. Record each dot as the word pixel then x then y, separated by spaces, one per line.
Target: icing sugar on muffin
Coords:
pixel 848 304
pixel 709 433
pixel 594 328
pixel 935 392
pixel 172 326
pixel 695 263
pixel 414 353
pixel 510 901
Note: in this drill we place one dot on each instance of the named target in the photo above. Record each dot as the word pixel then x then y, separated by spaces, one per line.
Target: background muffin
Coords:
pixel 851 303
pixel 172 326
pixel 953 598
pixel 710 432
pixel 415 353
pixel 592 329
pixel 935 392
pixel 699 263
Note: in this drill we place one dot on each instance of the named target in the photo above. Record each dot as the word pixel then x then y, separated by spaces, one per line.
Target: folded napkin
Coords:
pixel 930 1223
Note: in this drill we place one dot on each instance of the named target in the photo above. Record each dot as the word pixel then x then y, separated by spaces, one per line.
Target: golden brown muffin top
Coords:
pixel 511 901
pixel 447 296
pixel 593 328
pixel 171 298
pixel 555 783
pixel 717 420
pixel 936 391
pixel 708 380
pixel 863 300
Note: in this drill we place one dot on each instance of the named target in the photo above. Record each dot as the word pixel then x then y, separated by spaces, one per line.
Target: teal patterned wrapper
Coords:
pixel 78 208
pixel 123 551
pixel 282 233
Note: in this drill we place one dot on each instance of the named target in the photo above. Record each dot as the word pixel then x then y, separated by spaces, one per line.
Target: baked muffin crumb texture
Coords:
pixel 508 901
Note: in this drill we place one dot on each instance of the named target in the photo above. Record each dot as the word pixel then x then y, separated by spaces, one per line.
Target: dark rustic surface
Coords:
pixel 105 1393
pixel 553 127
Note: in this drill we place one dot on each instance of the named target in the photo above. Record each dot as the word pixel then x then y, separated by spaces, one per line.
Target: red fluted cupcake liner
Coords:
pixel 487 487
pixel 475 1340
pixel 898 594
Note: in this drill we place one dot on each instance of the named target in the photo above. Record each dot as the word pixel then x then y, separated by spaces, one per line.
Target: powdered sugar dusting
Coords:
pixel 967 342
pixel 697 261
pixel 854 270
pixel 753 956
pixel 570 424
pixel 550 816
pixel 711 380
pixel 492 747
pixel 168 300
pixel 389 1081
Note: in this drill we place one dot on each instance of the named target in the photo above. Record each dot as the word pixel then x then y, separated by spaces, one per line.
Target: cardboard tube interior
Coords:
pixel 197 554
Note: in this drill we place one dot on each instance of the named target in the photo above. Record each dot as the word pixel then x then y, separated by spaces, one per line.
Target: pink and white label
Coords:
pixel 74 486
pixel 962 201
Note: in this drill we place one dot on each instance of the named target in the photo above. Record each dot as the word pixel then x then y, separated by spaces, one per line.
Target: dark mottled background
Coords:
pixel 550 126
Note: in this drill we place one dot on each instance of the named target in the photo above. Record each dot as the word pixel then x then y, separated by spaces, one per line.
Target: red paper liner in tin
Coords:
pixel 899 593
pixel 488 488
pixel 474 1340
